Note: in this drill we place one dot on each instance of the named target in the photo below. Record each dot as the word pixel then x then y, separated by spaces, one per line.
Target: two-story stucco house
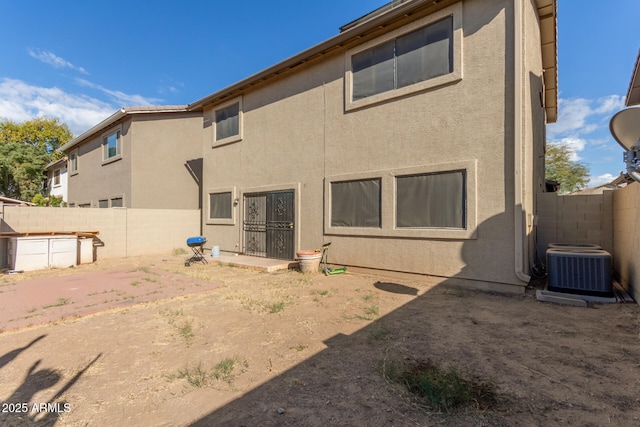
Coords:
pixel 413 140
pixel 57 178
pixel 139 157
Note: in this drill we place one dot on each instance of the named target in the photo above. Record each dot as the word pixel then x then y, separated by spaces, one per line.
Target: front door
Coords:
pixel 268 224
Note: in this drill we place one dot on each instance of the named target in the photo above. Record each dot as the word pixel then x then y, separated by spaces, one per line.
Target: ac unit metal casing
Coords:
pixel 580 271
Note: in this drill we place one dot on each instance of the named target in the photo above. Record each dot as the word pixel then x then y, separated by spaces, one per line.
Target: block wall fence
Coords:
pixel 123 232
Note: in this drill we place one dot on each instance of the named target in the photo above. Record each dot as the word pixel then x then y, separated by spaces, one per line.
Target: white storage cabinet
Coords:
pixel 38 252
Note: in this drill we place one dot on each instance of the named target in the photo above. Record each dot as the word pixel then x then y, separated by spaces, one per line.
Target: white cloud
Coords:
pixel 55 61
pixel 580 116
pixel 20 101
pixel 595 181
pixel 123 99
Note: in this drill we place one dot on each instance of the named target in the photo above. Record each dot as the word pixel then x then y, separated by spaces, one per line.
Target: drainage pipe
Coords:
pixel 521 247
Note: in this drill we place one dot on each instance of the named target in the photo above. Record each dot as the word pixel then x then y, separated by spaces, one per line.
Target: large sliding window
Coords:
pixel 434 200
pixel 430 201
pixel 356 203
pixel 412 58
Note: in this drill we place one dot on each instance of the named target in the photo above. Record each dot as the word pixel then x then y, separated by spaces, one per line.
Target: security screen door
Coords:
pixel 268 224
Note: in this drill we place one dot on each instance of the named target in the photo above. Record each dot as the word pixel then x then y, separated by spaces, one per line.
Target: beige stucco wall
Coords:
pixel 151 172
pixel 626 237
pixel 123 232
pixel 162 144
pixel 297 134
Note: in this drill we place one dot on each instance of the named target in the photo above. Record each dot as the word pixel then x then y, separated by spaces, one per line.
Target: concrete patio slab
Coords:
pixel 255 263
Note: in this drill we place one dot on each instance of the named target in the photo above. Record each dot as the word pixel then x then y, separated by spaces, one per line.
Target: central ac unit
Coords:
pixel 580 271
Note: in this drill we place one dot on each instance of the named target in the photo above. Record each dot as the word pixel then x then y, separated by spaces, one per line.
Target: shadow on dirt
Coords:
pixel 20 408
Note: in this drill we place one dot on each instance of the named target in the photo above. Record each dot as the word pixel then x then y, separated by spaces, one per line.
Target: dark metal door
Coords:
pixel 269 224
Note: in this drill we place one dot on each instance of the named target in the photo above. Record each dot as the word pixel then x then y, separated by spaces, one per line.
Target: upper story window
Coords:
pixel 56 177
pixel 73 161
pixel 227 120
pixel 421 55
pixel 415 57
pixel 111 146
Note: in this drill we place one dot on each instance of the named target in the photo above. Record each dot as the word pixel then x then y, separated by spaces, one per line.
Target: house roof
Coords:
pixel 10 201
pixel 119 115
pixel 56 163
pixel 385 16
pixel 633 94
pixel 548 16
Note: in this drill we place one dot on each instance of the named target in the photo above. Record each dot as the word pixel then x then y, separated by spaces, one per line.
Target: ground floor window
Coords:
pixel 356 203
pixel 434 200
pixel 116 202
pixel 103 204
pixel 220 205
pixel 429 201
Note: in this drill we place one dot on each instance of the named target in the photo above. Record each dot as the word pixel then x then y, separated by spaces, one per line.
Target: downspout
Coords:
pixel 521 248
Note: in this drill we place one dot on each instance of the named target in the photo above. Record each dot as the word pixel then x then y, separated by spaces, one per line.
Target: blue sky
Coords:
pixel 81 61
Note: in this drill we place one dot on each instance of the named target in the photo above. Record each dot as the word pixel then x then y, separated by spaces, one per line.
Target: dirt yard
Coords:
pixel 288 349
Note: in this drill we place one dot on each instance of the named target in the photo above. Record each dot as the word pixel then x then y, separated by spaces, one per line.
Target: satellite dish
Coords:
pixel 625 128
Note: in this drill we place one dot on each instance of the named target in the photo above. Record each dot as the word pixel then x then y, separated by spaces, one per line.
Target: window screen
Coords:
pixel 412 58
pixel 373 71
pixel 355 203
pixel 220 205
pixel 103 204
pixel 116 203
pixel 227 121
pixel 431 200
pixel 425 53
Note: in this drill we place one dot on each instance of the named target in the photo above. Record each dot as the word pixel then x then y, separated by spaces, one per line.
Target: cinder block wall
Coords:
pixel 123 232
pixel 575 219
pixel 626 237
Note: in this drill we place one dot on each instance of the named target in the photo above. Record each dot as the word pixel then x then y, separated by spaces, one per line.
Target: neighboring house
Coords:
pixel 137 158
pixel 57 178
pixel 413 141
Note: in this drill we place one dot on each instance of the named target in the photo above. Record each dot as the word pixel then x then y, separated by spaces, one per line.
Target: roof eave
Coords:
pixel 119 115
pixel 633 93
pixel 548 16
pixel 329 45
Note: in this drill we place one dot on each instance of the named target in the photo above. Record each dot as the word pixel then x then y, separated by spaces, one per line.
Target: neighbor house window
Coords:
pixel 220 205
pixel 356 203
pixel 56 177
pixel 103 203
pixel 227 119
pixel 412 58
pixel 116 202
pixel 73 161
pixel 84 205
pixel 434 200
pixel 111 145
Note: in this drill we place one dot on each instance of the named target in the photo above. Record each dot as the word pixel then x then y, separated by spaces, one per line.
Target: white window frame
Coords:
pixel 104 145
pixel 234 205
pixel 388 203
pixel 232 138
pixel 455 11
pixel 72 154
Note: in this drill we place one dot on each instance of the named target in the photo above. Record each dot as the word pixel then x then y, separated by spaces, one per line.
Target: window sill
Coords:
pixel 111 160
pixel 228 221
pixel 226 141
